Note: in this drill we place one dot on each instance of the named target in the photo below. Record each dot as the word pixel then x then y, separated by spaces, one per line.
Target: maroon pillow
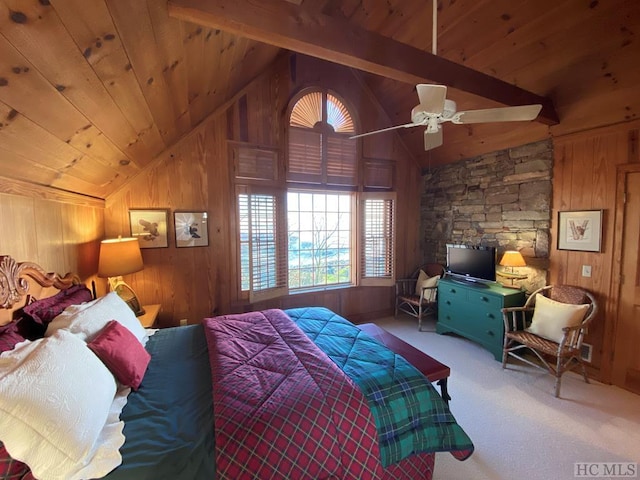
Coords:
pixel 10 468
pixel 122 353
pixel 42 311
pixel 9 337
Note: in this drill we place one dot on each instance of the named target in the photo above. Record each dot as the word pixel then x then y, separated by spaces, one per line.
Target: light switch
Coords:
pixel 586 270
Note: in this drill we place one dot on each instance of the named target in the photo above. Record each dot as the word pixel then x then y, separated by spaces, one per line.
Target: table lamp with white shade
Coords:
pixel 118 257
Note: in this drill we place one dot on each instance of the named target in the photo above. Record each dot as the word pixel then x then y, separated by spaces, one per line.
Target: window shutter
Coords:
pixel 305 156
pixel 342 164
pixel 252 163
pixel 262 249
pixel 377 239
pixel 378 174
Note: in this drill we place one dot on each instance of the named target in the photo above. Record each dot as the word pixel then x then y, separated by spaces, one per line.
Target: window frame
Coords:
pixel 353 241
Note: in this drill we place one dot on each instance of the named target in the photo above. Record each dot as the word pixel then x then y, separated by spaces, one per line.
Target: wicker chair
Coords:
pixel 557 357
pixel 421 305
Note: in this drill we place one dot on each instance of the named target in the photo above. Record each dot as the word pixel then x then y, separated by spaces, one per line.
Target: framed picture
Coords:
pixel 150 227
pixel 191 229
pixel 580 230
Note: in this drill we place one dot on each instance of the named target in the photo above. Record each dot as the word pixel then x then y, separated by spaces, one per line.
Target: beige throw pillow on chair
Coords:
pixel 550 317
pixel 426 281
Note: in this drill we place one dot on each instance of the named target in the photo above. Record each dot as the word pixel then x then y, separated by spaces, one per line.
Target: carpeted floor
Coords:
pixel 519 429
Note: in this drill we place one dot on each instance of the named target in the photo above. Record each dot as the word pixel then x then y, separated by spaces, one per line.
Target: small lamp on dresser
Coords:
pixel 510 260
pixel 121 256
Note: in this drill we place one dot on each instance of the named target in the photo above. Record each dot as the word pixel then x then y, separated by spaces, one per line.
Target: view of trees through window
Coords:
pixel 319 234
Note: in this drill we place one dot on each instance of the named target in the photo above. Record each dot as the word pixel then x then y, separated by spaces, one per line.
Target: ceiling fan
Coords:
pixel 435 109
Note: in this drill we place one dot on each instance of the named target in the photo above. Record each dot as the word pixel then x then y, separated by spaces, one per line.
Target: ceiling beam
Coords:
pixel 334 39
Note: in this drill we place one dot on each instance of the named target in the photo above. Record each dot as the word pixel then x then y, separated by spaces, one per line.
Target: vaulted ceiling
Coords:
pixel 91 91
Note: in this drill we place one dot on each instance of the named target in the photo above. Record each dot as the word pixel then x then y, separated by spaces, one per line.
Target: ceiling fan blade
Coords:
pixel 432 140
pixel 431 98
pixel 503 114
pixel 406 125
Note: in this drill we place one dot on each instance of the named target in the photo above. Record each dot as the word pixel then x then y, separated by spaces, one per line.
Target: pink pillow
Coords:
pixel 46 309
pixel 122 353
pixel 9 338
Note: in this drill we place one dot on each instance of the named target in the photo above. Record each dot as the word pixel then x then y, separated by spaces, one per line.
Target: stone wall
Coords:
pixel 501 199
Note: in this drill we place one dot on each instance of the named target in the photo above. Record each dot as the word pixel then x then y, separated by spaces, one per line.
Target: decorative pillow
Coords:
pixel 9 468
pixel 550 317
pixel 89 319
pixel 43 311
pixel 122 353
pixel 55 398
pixel 425 281
pixel 9 338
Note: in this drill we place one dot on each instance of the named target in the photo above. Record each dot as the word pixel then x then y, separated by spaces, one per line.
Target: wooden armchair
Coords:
pixel 551 324
pixel 422 301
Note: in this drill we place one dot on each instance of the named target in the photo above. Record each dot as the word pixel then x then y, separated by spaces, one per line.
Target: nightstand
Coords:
pixel 148 320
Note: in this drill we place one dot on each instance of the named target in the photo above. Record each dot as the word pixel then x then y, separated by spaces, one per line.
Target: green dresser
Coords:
pixel 474 311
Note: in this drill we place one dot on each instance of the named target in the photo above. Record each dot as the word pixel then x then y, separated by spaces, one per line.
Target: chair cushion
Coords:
pixel 550 317
pixel 425 281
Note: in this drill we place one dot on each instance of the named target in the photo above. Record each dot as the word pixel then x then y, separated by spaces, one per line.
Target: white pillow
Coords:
pixel 87 320
pixel 550 317
pixel 425 281
pixel 55 399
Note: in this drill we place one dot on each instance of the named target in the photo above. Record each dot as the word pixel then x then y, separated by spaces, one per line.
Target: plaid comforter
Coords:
pixel 282 409
pixel 409 413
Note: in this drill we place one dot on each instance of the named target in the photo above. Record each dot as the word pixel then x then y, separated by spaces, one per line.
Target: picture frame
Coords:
pixel 580 230
pixel 149 226
pixel 191 229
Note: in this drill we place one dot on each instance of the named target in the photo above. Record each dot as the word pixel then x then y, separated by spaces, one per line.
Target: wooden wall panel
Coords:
pixel 585 179
pixel 59 236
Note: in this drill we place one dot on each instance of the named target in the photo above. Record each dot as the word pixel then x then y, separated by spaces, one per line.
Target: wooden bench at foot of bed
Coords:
pixel 428 366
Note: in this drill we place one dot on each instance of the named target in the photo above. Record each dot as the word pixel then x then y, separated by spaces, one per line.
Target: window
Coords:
pixel 319 239
pixel 320 232
pixel 320 151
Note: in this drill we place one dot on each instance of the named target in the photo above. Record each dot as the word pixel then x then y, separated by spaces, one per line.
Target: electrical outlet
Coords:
pixel 586 270
pixel 184 322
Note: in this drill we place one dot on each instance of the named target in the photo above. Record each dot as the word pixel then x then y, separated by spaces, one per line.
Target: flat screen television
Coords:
pixel 473 264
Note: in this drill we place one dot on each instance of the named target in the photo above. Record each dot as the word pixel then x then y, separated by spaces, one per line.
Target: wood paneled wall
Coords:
pixel 59 231
pixel 194 283
pixel 585 174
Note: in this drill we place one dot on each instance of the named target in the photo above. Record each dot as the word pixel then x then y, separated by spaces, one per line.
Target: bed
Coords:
pixel 299 393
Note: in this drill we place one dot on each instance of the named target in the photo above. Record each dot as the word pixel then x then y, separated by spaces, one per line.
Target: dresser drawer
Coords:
pixel 483 298
pixel 452 293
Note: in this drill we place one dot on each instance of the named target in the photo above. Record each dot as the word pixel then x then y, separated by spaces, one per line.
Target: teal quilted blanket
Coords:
pixel 410 415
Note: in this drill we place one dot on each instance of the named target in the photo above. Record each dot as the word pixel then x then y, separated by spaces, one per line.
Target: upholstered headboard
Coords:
pixel 19 280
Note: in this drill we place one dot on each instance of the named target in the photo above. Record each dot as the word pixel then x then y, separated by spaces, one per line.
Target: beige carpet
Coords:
pixel 519 429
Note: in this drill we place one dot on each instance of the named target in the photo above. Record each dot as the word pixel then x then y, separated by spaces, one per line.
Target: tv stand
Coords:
pixel 475 313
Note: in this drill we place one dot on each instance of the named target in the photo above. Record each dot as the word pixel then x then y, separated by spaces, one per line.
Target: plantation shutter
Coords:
pixel 305 156
pixel 342 163
pixel 320 151
pixel 377 239
pixel 252 163
pixel 262 247
pixel 378 174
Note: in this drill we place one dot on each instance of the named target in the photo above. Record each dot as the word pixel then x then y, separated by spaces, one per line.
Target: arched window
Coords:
pixel 320 151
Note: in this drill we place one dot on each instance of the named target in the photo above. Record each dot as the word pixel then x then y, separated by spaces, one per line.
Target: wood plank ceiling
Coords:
pixel 92 90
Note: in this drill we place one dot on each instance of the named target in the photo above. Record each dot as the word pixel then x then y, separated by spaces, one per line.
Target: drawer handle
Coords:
pixel 489 332
pixel 484 299
pixel 452 290
pixel 490 315
pixel 448 302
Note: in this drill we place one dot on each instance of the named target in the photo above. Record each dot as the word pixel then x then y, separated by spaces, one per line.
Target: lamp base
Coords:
pixel 126 293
